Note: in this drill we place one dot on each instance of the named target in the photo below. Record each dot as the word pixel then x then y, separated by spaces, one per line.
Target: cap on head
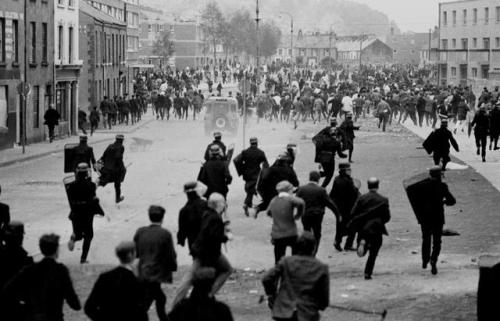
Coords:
pixel 373 183
pixel 253 141
pixel 190 187
pixel 217 135
pixel 14 228
pixel 344 166
pixel 444 121
pixel 435 171
pixel 214 149
pixel 83 138
pixel 120 137
pixel 284 186
pixel 82 168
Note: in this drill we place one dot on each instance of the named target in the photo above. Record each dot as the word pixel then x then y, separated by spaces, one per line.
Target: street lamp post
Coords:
pixel 257 20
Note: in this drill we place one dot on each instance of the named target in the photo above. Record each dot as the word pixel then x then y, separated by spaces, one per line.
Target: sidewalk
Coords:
pixel 37 150
pixel 490 169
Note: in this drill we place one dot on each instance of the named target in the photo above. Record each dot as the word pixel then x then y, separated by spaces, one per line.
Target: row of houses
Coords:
pixel 72 53
pixel 316 48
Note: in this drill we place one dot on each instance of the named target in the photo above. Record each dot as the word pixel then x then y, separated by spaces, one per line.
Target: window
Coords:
pixel 32 57
pixel 445 18
pixel 454 43
pixel 465 43
pixel 280 52
pixel 45 48
pixel 60 47
pixel 15 39
pixel 445 44
pixel 71 3
pixel 60 2
pixel 453 71
pixel 474 16
pixel 36 106
pixel 464 15
pixel 474 72
pixel 497 9
pixel 2 39
pixel 485 69
pixel 4 107
pixel 150 28
pixel 289 52
pixel 486 43
pixel 486 15
pixel 61 100
pixel 70 45
pixel 454 17
pixel 497 42
pixel 474 42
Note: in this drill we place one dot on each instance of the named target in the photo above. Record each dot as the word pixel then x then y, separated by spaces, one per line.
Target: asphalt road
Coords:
pixel 158 170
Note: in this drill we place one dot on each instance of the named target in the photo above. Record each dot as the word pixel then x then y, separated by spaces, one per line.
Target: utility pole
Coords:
pixel 361 50
pixel 257 20
pixel 291 45
pixel 330 53
pixel 25 100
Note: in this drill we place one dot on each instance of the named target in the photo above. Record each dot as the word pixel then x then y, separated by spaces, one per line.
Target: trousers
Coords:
pixel 312 223
pixel 431 236
pixel 280 246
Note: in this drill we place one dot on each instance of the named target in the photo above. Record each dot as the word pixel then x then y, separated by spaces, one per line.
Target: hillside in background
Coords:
pixel 345 17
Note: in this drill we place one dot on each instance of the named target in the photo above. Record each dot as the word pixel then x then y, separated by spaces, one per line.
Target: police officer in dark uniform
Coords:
pixel 114 170
pixel 4 218
pixel 217 141
pixel 270 177
pixel 431 216
pixel 328 147
pixel 84 205
pixel 442 137
pixel 248 164
pixel 347 128
pixel 215 173
pixel 344 194
pixel 83 153
pixel 481 124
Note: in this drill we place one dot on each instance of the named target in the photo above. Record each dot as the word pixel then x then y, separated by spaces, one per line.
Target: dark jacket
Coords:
pixel 200 309
pixel 431 212
pixel 215 175
pixel 344 194
pixel 304 287
pixel 316 199
pixel 249 162
pixel 370 214
pixel 14 259
pixel 116 295
pixel 83 200
pixel 113 169
pixel 43 287
pixel 51 117
pixel 83 153
pixel 271 176
pixel 4 219
pixel 207 246
pixel 481 123
pixel 190 217
pixel 156 254
pixel 495 121
pixel 442 138
pixel 218 143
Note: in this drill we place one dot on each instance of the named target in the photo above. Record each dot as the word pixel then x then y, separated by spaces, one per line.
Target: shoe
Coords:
pixel 490 147
pixel 424 265
pixel 496 148
pixel 120 199
pixel 350 248
pixel 82 261
pixel 71 243
pixel 362 248
pixel 351 161
pixel 337 246
pixel 245 209
pixel 368 277
pixel 477 152
pixel 434 269
pixel 484 160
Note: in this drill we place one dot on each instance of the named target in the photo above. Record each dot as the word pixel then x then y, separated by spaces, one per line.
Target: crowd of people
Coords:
pixel 297 286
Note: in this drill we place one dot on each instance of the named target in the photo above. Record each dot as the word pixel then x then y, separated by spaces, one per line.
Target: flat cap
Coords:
pixel 435 171
pixel 120 137
pixel 84 138
pixel 190 186
pixel 253 140
pixel 217 134
pixel 344 166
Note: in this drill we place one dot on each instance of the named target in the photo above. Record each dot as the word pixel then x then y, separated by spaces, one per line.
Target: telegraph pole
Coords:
pixel 257 20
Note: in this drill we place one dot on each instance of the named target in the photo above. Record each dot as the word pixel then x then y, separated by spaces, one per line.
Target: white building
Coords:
pixel 66 60
pixel 469 42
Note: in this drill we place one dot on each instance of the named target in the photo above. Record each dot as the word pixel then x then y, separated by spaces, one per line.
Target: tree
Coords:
pixel 213 25
pixel 270 37
pixel 163 46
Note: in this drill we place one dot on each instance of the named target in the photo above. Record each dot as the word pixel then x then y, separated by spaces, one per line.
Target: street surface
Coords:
pixel 157 172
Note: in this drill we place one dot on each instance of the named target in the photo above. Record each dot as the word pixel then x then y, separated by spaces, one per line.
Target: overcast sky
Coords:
pixel 414 15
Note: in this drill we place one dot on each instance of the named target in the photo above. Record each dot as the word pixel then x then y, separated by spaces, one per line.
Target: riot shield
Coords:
pixel 415 190
pixel 69 158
